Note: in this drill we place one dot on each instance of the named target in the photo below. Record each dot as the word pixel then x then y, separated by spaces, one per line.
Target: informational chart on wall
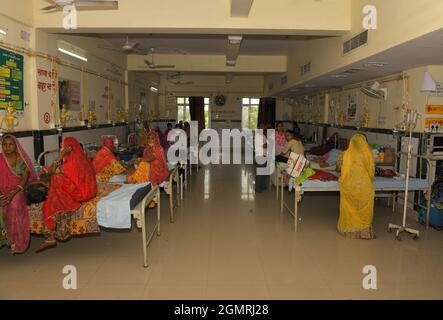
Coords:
pixel 434 116
pixel 11 80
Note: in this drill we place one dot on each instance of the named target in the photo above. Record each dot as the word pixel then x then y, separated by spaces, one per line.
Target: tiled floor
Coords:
pixel 228 243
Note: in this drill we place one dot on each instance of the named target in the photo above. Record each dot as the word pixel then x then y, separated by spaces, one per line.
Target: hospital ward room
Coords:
pixel 223 150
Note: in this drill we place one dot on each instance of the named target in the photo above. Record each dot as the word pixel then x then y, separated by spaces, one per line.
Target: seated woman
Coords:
pixel 280 138
pixel 357 190
pixel 16 171
pixel 294 145
pixel 143 134
pixel 153 167
pixel 105 163
pixel 72 183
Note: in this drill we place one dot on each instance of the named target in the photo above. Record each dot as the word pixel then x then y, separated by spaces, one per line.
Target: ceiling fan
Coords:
pixel 151 63
pixel 177 80
pixel 375 91
pixel 128 48
pixel 60 4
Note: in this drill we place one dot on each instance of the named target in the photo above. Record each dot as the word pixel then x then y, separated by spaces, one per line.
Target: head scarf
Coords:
pixel 108 142
pixel 104 156
pixel 23 155
pixel 76 165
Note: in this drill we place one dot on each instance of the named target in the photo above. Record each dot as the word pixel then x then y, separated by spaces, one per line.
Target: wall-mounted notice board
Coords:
pixel 11 80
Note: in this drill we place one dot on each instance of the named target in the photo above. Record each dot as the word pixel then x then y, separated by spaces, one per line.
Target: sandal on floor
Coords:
pixel 46 245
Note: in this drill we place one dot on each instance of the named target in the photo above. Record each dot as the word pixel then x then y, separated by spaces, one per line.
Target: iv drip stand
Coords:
pixel 410 123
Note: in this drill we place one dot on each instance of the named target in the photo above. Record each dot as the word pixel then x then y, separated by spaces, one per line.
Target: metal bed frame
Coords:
pixel 174 175
pixel 139 212
pixel 299 192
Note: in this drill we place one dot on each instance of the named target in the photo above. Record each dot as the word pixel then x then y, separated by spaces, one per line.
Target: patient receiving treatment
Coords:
pixel 72 182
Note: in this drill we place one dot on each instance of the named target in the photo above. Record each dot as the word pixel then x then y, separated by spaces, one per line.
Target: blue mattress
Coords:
pixel 380 184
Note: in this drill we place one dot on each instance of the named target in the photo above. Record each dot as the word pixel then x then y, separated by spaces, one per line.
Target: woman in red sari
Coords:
pixel 16 170
pixel 154 154
pixel 72 183
pixel 105 163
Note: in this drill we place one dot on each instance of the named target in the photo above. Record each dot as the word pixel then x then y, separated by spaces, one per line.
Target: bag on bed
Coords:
pixel 296 164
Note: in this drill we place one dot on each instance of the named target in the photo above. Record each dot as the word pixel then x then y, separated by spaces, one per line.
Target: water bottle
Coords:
pixel 381 154
pixel 36 167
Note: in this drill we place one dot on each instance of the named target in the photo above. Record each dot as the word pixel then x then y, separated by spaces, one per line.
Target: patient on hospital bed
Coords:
pixel 327 162
pixel 105 163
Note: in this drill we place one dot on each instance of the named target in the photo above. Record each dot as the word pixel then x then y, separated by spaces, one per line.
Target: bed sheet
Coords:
pixel 114 210
pixel 380 184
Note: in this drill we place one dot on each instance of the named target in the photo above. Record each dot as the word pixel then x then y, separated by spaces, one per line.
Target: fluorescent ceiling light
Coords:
pixel 153 89
pixel 3 31
pixel 72 54
pixel 235 39
pixel 375 64
pixel 231 63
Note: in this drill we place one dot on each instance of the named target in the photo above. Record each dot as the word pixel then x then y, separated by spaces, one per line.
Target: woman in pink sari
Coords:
pixel 16 171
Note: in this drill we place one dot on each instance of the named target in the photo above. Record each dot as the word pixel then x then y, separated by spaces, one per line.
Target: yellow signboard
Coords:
pixel 434 109
pixel 430 121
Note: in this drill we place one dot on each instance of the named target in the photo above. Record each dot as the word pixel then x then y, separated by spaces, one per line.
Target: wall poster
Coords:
pixel 69 94
pixel 352 106
pixel 11 80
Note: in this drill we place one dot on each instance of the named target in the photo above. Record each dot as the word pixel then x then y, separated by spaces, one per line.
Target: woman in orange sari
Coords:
pixel 105 163
pixel 72 183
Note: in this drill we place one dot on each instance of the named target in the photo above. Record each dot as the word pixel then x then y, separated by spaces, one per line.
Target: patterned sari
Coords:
pixel 73 186
pixel 158 169
pixel 14 217
pixel 105 163
pixel 357 190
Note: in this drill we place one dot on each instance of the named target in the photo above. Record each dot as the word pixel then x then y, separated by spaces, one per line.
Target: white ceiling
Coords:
pixel 210 44
pixel 422 51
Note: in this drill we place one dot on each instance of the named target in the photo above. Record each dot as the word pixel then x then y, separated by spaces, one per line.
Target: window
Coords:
pixel 183 113
pixel 207 113
pixel 250 113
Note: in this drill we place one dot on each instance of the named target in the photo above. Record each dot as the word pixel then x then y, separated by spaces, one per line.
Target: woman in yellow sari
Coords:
pixel 357 190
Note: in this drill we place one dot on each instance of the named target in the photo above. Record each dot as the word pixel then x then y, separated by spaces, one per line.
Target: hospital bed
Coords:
pixel 104 210
pixel 167 186
pixel 92 217
pixel 382 185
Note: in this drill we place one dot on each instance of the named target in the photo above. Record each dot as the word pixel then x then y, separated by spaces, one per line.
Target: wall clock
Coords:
pixel 220 100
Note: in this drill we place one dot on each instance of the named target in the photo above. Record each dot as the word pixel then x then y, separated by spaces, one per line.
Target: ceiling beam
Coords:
pixel 240 8
pixel 233 50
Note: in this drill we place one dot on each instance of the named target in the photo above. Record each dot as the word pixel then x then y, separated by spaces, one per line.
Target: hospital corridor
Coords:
pixel 221 159
pixel 230 243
